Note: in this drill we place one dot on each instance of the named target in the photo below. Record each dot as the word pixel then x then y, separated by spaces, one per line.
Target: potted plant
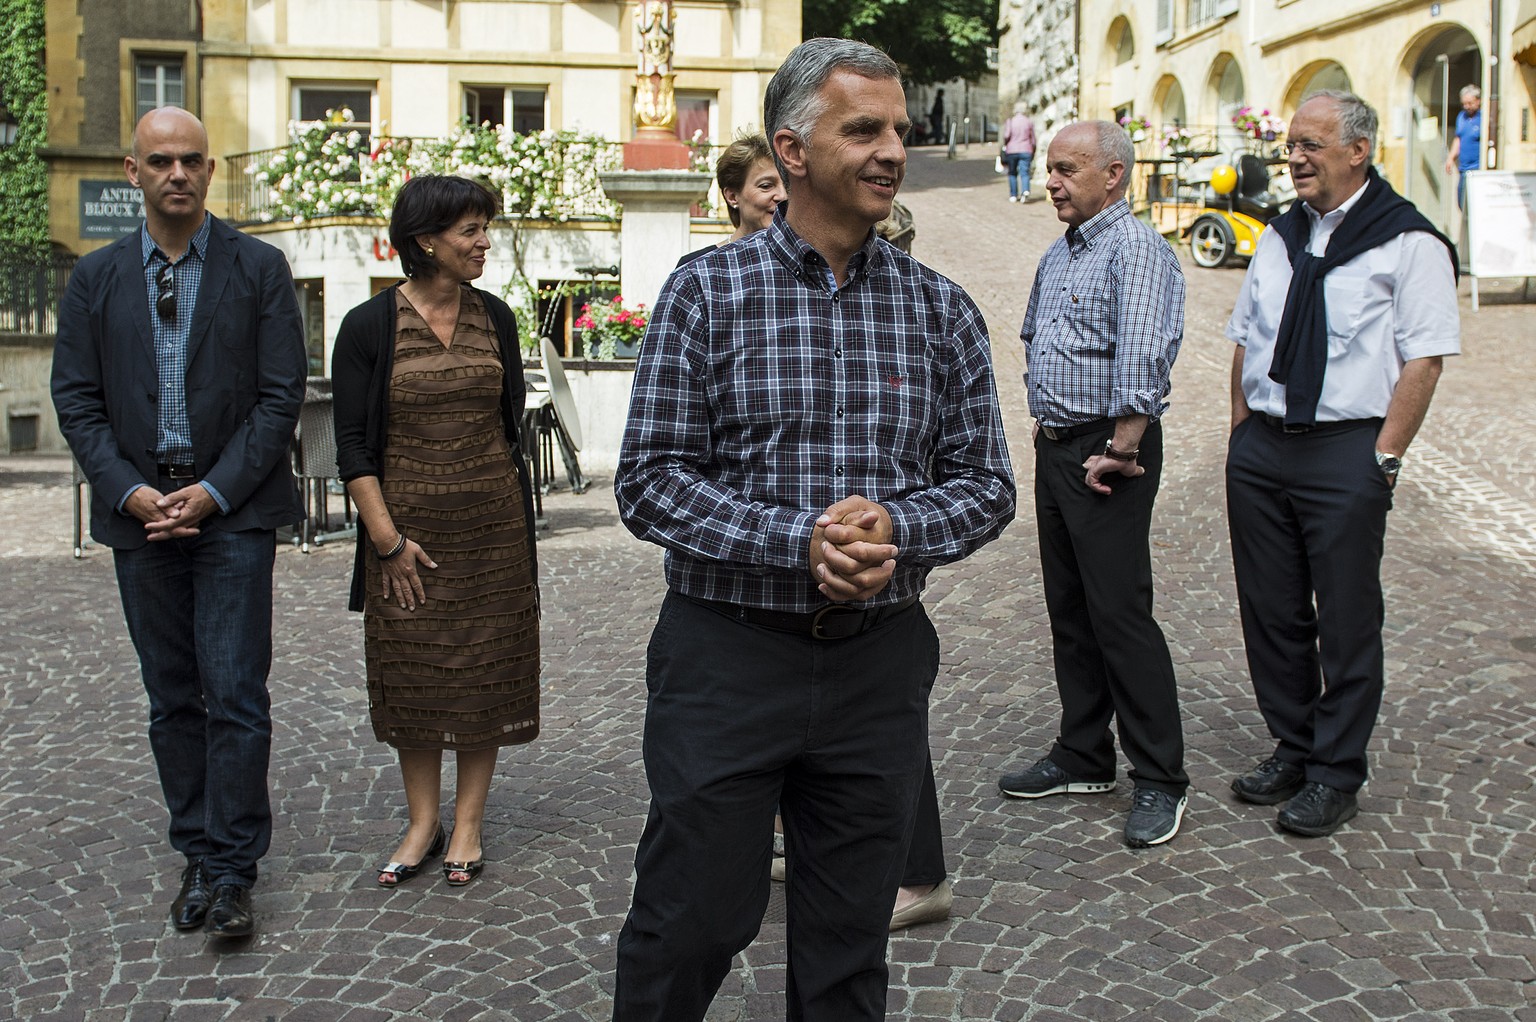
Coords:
pixel 610 330
pixel 1136 126
pixel 1258 124
pixel 1176 139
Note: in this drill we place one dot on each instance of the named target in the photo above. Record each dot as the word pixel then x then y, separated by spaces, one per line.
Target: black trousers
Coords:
pixel 1111 657
pixel 1308 516
pixel 740 719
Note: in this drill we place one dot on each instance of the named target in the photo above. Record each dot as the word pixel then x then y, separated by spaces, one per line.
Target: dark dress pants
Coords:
pixel 740 719
pixel 1308 516
pixel 199 611
pixel 1111 657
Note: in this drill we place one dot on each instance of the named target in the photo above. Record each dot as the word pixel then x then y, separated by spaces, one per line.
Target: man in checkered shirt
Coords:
pixel 814 427
pixel 1103 325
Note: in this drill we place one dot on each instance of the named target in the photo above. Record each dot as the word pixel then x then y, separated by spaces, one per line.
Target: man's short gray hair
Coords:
pixel 1356 118
pixel 792 101
pixel 1471 90
pixel 1112 144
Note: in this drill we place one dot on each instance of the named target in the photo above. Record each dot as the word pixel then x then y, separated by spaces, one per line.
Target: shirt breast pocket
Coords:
pixel 1346 298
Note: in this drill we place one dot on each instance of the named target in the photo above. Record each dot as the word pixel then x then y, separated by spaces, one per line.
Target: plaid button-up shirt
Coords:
pixel 1104 323
pixel 764 394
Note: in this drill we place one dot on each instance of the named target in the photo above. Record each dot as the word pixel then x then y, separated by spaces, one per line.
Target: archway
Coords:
pixel 1315 77
pixel 1225 95
pixel 1168 101
pixel 1437 66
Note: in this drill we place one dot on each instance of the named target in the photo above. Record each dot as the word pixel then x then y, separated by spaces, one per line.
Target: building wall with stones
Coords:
pixel 1037 62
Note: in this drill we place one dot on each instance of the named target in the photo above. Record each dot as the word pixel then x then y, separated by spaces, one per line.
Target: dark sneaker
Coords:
pixel 1271 782
pixel 1046 778
pixel 1318 810
pixel 1155 817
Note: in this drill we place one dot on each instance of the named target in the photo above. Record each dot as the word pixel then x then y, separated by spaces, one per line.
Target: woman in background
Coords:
pixel 749 184
pixel 428 388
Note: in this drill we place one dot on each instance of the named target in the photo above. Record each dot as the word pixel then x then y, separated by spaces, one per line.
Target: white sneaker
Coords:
pixel 1013 198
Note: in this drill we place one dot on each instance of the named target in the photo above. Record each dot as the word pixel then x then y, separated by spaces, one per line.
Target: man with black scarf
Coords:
pixel 1347 310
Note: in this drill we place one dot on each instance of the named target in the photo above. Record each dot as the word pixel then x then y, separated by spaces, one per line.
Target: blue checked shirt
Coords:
pixel 764 394
pixel 173 444
pixel 1104 323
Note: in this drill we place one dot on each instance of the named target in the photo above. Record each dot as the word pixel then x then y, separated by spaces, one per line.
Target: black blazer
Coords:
pixel 361 363
pixel 245 382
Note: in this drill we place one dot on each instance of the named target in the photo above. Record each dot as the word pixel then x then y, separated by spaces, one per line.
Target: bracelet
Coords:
pixel 1114 455
pixel 400 546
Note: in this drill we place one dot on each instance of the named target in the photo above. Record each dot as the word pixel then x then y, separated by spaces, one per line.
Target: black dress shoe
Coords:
pixel 1318 810
pixel 1270 783
pixel 230 914
pixel 191 905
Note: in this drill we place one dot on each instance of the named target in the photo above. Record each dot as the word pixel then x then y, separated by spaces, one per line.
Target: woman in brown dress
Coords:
pixel 428 390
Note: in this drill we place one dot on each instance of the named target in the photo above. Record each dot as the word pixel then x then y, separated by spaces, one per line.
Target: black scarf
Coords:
pixel 1301 349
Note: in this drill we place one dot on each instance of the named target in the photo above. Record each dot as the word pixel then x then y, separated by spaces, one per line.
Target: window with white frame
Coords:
pixel 520 107
pixel 347 104
pixel 158 80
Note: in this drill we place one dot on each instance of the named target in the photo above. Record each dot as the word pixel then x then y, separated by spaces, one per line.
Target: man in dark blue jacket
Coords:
pixel 178 375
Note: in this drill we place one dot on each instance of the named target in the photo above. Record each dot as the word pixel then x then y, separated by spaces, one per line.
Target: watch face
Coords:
pixel 1391 466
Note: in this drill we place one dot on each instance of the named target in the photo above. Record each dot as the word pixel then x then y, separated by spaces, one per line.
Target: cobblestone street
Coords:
pixel 1420 909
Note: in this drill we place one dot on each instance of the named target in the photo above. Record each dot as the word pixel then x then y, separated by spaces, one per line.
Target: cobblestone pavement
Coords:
pixel 1422 908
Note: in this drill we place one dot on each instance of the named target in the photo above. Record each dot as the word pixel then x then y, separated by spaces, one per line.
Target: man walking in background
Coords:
pixel 1104 323
pixel 1466 151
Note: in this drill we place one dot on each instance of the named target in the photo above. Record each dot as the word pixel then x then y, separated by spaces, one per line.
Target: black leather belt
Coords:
pixel 1277 422
pixel 1081 429
pixel 169 471
pixel 834 621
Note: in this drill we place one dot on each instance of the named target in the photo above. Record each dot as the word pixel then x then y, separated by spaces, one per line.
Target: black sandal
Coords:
pixel 402 873
pixel 469 869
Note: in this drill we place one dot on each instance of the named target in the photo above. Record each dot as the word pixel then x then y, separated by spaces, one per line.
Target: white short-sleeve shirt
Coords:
pixel 1391 304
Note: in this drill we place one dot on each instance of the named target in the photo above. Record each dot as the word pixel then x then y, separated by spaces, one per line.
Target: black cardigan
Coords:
pixel 361 363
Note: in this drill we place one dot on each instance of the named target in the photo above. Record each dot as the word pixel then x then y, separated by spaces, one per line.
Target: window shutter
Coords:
pixel 1164 21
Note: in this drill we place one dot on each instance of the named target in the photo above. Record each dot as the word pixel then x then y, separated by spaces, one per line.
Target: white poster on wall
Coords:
pixel 1501 223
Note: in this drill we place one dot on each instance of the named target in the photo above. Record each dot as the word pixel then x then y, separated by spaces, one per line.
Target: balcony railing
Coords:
pixel 577 193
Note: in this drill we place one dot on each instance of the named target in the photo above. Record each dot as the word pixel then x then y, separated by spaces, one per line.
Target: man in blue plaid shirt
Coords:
pixel 1103 325
pixel 814 427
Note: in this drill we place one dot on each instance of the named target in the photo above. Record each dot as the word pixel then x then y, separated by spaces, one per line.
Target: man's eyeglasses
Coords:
pixel 165 280
pixel 1307 146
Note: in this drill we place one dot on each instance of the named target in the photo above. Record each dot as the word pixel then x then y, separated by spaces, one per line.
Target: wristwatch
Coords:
pixel 1390 464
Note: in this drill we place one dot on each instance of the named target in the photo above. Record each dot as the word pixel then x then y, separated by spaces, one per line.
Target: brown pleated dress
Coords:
pixel 461 672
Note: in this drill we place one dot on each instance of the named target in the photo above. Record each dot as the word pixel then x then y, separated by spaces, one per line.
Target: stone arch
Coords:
pixel 1225 93
pixel 1120 42
pixel 1168 101
pixel 1320 74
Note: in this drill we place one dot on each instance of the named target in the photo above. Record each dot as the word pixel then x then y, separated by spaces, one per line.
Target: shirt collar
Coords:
pixel 806 263
pixel 1084 233
pixel 199 240
pixel 1335 215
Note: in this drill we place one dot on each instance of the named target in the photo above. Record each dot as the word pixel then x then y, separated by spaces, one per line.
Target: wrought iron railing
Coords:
pixel 30 292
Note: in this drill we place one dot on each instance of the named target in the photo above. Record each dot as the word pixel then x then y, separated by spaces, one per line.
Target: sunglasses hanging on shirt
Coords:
pixel 165 280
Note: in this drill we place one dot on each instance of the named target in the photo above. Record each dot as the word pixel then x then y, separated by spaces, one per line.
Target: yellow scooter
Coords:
pixel 1239 203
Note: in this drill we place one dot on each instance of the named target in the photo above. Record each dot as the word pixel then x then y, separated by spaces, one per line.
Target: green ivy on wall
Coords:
pixel 23 91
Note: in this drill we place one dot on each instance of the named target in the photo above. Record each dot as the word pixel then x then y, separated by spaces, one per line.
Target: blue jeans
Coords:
pixel 1018 165
pixel 199 611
